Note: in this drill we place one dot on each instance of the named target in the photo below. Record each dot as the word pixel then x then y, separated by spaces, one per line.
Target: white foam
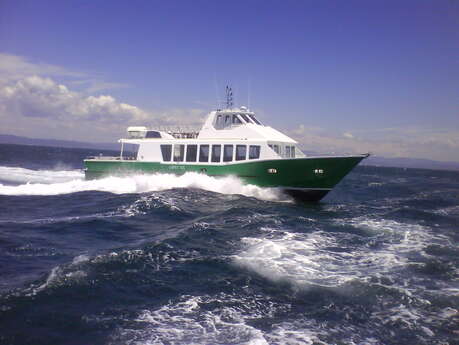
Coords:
pixel 210 320
pixel 218 319
pixel 299 258
pixel 304 259
pixel 63 274
pixel 402 237
pixel 139 183
pixel 185 322
pixel 52 277
pixel 448 211
pixel 21 175
pixel 144 203
pixel 381 225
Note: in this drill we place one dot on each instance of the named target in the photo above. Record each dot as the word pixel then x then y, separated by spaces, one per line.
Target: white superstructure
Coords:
pixel 241 136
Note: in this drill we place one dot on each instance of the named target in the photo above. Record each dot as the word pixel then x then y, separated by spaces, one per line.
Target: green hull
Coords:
pixel 308 179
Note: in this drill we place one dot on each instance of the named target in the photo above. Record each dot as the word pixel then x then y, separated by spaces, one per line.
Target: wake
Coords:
pixel 21 175
pixel 47 182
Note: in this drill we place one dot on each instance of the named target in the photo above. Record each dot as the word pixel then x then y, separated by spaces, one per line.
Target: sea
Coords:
pixel 164 259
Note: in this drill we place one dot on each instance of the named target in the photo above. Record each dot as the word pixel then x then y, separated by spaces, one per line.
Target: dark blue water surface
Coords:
pixel 163 259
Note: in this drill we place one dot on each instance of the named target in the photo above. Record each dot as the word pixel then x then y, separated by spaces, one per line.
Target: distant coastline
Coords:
pixel 415 163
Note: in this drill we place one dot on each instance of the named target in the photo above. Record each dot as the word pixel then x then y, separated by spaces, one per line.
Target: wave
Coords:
pixel 300 259
pixel 320 258
pixel 214 319
pixel 45 182
pixel 22 175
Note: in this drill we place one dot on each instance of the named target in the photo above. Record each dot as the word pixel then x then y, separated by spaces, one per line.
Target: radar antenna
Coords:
pixel 229 97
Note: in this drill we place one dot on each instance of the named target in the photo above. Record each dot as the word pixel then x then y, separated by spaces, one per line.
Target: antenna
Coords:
pixel 229 97
pixel 248 93
pixel 216 91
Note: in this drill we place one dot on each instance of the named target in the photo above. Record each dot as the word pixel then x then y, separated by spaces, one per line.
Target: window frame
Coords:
pixel 188 147
pixel 181 157
pixel 228 158
pixel 201 155
pixel 213 156
pixel 152 135
pixel 162 148
pixel 257 150
pixel 236 120
pixel 245 118
pixel 227 120
pixel 238 157
pixel 254 119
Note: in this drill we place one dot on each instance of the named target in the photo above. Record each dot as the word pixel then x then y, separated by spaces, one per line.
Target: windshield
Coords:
pixel 254 119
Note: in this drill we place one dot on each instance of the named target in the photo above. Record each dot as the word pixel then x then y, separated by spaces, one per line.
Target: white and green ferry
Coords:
pixel 232 141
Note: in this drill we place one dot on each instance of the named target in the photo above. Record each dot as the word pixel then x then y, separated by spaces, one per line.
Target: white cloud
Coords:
pixel 34 104
pixel 13 67
pixel 35 96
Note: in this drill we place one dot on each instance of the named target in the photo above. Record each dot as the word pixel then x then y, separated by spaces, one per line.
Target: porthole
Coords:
pixel 272 171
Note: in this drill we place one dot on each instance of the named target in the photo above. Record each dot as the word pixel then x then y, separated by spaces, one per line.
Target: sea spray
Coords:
pixel 45 182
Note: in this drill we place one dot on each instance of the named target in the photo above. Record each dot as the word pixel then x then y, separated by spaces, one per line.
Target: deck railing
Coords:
pixel 112 158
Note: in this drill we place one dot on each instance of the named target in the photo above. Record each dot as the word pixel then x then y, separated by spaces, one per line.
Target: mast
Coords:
pixel 229 97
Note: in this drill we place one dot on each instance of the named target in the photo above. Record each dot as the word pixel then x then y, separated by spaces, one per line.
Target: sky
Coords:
pixel 338 76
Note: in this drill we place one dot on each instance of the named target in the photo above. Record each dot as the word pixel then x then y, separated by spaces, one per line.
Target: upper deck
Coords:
pixel 227 124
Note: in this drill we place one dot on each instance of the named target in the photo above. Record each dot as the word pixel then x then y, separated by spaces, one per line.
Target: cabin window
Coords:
pixel 241 152
pixel 292 152
pixel 227 153
pixel 276 148
pixel 219 121
pixel 245 117
pixel 191 153
pixel 236 120
pixel 254 119
pixel 227 120
pixel 204 153
pixel 130 151
pixel 216 153
pixel 254 152
pixel 153 135
pixel 287 151
pixel 166 151
pixel 179 151
pixel 136 134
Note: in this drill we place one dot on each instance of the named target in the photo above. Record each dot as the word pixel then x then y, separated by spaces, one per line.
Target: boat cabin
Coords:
pixel 227 136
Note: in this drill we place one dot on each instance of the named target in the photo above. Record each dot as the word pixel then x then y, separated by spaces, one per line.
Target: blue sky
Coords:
pixel 380 76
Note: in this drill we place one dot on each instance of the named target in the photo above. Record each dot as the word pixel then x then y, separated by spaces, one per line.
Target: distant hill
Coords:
pixel 372 160
pixel 13 139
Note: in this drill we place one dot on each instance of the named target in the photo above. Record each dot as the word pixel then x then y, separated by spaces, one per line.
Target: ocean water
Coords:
pixel 162 259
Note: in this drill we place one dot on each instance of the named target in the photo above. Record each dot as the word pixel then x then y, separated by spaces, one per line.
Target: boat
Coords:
pixel 232 141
